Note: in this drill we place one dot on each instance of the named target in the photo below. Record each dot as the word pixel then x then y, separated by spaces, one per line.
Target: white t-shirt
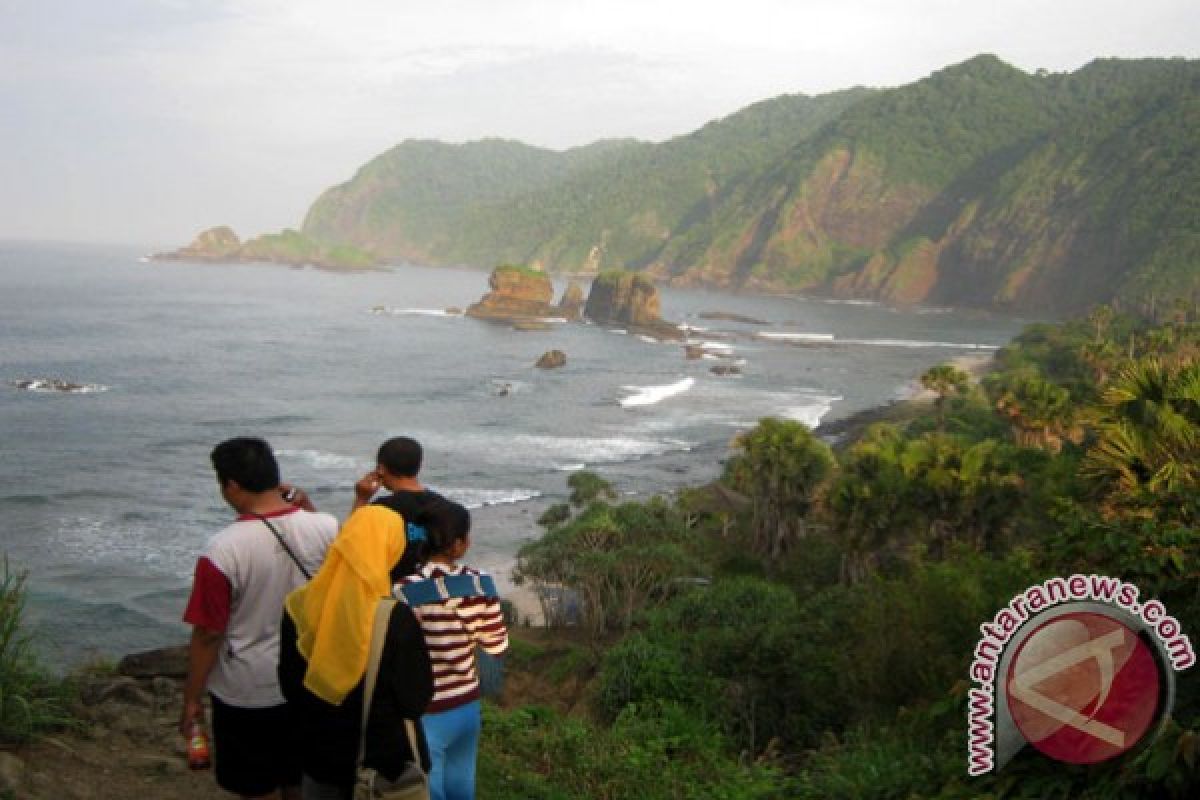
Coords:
pixel 240 585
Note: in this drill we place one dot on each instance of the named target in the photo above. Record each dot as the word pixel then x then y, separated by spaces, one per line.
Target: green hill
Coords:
pixel 980 185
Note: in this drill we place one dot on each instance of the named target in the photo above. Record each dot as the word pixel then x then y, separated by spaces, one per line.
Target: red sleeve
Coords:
pixel 209 604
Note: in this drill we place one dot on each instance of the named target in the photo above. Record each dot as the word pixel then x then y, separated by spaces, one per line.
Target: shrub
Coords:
pixel 30 701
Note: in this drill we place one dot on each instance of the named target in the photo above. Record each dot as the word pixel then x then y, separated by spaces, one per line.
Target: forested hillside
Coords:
pixel 980 185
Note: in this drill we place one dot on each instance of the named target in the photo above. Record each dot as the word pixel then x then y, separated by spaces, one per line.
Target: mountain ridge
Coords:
pixel 979 185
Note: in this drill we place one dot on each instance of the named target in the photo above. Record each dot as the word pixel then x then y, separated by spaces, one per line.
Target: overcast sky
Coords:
pixel 144 121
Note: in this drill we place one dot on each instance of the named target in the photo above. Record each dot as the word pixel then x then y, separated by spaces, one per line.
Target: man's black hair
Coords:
pixel 247 460
pixel 400 456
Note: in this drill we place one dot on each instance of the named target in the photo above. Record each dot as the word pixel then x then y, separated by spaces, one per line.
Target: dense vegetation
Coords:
pixel 803 627
pixel 979 185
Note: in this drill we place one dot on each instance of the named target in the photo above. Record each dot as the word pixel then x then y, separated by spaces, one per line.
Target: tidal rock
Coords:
pixel 628 299
pixel 552 359
pixel 731 317
pixel 694 352
pixel 517 293
pixel 56 385
pixel 725 369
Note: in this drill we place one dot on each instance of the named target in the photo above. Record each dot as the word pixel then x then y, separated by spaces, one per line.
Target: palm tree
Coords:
pixel 782 469
pixel 1039 412
pixel 1148 436
pixel 944 380
pixel 868 500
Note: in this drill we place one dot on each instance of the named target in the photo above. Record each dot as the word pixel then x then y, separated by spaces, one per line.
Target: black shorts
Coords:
pixel 254 748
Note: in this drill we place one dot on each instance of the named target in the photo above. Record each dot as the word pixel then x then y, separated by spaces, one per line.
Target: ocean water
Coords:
pixel 106 493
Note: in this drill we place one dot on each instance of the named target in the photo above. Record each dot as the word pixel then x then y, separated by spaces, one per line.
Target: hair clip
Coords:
pixel 415 533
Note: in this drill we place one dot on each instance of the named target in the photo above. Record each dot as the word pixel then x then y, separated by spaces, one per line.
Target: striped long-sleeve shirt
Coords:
pixel 453 628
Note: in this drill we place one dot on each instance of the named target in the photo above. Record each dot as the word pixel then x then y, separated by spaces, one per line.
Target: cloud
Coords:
pixel 241 111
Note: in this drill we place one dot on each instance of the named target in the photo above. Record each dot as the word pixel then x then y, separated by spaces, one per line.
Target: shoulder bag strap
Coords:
pixel 307 575
pixel 383 613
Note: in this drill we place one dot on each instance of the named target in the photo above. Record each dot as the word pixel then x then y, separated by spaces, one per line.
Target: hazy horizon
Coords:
pixel 145 121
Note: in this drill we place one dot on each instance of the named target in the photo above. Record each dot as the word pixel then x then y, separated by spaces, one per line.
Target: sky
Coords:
pixel 146 121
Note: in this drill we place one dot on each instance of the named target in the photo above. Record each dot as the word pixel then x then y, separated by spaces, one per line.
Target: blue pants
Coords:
pixel 453 739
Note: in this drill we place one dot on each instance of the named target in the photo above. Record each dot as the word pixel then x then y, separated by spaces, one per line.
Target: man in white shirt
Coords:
pixel 235 608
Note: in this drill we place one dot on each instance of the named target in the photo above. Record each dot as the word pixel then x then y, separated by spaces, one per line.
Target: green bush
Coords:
pixel 655 752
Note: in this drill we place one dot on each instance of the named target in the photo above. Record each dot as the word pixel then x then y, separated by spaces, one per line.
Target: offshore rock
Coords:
pixel 552 359
pixel 628 299
pixel 517 294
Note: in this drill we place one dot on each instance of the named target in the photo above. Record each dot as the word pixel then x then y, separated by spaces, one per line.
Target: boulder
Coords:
pixel 170 662
pixel 552 359
pixel 630 300
pixel 517 293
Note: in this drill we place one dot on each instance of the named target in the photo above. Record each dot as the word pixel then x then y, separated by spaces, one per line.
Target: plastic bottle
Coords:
pixel 197 752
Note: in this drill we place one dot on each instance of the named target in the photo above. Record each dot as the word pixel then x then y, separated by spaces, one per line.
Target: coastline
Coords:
pixel 842 432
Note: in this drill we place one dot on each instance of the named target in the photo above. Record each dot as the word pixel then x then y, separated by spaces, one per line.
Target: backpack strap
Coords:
pixel 436 590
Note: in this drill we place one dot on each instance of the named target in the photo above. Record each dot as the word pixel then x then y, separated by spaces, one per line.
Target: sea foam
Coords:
pixel 649 395
pixel 478 498
pixel 318 459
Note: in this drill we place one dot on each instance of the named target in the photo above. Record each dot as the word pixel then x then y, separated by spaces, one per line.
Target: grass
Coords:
pixel 31 700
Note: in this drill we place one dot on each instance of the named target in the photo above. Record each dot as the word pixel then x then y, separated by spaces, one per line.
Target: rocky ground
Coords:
pixel 125 744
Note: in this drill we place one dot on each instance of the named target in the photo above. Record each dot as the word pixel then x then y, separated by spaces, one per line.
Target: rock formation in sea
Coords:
pixel 552 359
pixel 628 299
pixel 222 245
pixel 518 294
pixel 571 304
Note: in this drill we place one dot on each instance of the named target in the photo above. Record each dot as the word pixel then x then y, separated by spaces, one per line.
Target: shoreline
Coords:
pixel 842 432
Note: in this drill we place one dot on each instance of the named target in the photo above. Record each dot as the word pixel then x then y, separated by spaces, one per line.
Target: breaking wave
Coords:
pixel 650 395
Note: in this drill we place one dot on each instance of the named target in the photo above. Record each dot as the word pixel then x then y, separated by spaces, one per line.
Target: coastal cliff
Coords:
pixel 980 185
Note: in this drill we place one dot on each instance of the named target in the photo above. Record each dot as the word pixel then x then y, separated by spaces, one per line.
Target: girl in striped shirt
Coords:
pixel 453 629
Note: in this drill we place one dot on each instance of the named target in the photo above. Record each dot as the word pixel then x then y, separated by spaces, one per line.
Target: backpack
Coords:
pixel 436 590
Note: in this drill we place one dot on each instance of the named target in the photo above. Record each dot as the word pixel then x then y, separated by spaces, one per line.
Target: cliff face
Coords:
pixel 517 293
pixel 980 185
pixel 628 299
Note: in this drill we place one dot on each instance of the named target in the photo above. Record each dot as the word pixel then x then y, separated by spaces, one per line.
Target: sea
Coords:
pixel 107 495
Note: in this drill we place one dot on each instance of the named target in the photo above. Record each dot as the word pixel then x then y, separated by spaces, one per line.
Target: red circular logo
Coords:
pixel 1083 688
